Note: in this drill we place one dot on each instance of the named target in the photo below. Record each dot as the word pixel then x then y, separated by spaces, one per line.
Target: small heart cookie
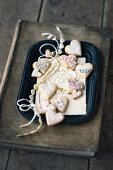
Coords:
pixel 47 90
pixel 53 118
pixel 40 68
pixel 74 48
pixel 69 61
pixel 49 54
pixel 61 103
pixel 36 73
pixel 44 105
pixel 85 69
pixel 76 94
pixel 74 84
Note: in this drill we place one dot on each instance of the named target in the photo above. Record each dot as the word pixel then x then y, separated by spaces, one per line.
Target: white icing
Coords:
pixel 60 77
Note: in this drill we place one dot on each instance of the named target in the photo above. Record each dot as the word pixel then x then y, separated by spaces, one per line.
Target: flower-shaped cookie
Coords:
pixel 69 61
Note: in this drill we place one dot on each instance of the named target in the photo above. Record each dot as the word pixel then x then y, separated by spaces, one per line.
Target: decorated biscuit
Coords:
pixel 84 70
pixel 74 48
pixel 76 94
pixel 61 103
pixel 44 105
pixel 49 54
pixel 69 61
pixel 36 73
pixel 52 117
pixel 40 68
pixel 75 88
pixel 47 91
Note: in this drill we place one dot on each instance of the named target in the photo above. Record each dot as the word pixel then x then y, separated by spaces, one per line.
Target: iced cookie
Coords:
pixel 75 88
pixel 47 90
pixel 40 68
pixel 49 54
pixel 53 118
pixel 74 48
pixel 84 70
pixel 69 61
pixel 44 105
pixel 61 103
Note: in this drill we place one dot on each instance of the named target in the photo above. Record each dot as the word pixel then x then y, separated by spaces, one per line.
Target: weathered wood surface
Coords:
pixel 108 14
pixel 86 12
pixel 88 140
pixel 44 161
pixel 107 123
pixel 3 158
pixel 104 162
pixel 10 12
pixel 77 13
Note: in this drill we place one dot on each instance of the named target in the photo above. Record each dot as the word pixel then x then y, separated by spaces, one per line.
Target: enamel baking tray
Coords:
pixel 90 52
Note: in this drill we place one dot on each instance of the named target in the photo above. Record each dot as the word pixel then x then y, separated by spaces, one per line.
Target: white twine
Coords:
pixel 47 44
pixel 25 108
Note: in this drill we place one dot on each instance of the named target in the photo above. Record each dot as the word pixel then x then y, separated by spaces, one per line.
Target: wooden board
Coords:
pixel 107 122
pixel 84 138
pixel 44 161
pixel 105 162
pixel 10 12
pixel 86 12
pixel 108 14
pixel 3 158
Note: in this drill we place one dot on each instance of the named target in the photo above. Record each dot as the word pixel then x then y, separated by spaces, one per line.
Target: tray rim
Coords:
pixel 86 117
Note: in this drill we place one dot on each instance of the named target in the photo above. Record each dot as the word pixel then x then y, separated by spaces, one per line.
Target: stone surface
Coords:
pixel 86 12
pixel 80 138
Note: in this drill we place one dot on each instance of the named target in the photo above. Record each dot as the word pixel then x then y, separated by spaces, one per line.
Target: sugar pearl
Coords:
pixel 59 51
pixel 62 40
pixel 31 101
pixel 35 86
pixel 61 46
pixel 32 91
pixel 31 97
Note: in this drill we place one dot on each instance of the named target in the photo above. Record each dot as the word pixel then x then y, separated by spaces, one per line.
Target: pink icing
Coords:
pixel 75 84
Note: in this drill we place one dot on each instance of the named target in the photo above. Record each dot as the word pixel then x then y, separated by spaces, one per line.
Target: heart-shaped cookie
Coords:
pixel 61 103
pixel 41 66
pixel 76 94
pixel 85 69
pixel 47 90
pixel 69 61
pixel 75 84
pixel 74 48
pixel 53 118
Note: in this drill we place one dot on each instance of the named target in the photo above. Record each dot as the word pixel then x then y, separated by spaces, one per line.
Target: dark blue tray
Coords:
pixel 90 52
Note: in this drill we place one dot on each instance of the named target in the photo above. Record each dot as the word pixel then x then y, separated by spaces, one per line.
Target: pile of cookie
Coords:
pixel 42 69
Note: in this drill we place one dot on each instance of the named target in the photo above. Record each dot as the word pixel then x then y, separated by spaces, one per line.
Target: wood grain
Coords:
pixel 10 12
pixel 107 123
pixel 105 162
pixel 44 161
pixel 3 158
pixel 30 33
pixel 86 12
pixel 108 14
